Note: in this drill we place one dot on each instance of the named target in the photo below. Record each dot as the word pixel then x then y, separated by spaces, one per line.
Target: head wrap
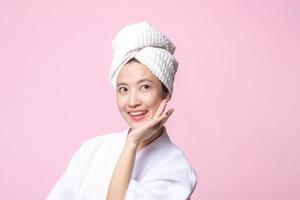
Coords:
pixel 149 46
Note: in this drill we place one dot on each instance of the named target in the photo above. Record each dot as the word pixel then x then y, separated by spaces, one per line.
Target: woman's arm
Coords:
pixel 123 171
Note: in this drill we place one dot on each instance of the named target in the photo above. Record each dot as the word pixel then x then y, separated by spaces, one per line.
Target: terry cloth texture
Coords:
pixel 149 46
pixel 161 171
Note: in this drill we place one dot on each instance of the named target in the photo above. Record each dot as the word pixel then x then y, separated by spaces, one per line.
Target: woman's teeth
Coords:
pixel 137 113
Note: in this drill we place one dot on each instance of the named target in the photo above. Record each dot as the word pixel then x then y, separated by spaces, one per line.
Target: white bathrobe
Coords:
pixel 161 171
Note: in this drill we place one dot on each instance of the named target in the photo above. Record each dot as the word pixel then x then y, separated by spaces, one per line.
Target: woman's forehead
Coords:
pixel 135 73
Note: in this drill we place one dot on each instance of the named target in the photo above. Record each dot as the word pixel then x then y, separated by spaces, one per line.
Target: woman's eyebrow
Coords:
pixel 144 80
pixel 140 81
pixel 121 83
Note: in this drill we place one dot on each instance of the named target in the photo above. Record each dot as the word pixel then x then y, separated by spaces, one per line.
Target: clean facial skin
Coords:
pixel 139 94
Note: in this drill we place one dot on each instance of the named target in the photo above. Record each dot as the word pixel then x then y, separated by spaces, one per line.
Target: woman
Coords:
pixel 141 162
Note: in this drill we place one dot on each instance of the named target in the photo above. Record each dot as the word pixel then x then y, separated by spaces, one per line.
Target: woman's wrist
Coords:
pixel 131 143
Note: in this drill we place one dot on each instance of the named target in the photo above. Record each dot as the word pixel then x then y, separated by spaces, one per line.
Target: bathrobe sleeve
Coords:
pixel 68 184
pixel 65 188
pixel 174 182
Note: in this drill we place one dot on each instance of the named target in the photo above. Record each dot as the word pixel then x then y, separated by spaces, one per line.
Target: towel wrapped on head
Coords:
pixel 150 47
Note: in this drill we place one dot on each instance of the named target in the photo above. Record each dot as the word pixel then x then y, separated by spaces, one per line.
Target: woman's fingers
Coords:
pixel 161 119
pixel 160 109
pixel 167 115
pixel 151 127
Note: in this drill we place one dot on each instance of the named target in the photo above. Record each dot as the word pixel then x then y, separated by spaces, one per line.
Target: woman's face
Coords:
pixel 139 94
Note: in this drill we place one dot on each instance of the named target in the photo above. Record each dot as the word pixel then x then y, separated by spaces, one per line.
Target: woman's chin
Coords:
pixel 134 125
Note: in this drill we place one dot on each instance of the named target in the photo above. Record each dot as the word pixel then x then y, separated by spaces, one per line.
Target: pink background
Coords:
pixel 236 94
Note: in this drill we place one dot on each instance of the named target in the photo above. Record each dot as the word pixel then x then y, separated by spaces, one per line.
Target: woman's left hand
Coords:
pixel 143 133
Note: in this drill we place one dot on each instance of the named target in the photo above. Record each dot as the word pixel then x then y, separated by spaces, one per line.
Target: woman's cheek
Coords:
pixel 152 100
pixel 121 102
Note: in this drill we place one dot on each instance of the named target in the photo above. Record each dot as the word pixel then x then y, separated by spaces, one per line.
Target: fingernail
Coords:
pixel 170 111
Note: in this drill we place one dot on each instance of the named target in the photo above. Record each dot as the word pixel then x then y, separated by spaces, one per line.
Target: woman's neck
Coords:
pixel 151 139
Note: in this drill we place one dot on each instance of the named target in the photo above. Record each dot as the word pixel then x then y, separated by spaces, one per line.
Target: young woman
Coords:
pixel 141 162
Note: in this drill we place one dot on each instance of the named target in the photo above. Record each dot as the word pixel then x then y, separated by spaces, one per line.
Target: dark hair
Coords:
pixel 164 88
pixel 133 60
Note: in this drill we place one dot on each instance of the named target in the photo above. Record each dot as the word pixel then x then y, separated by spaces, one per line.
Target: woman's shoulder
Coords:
pixel 176 162
pixel 104 138
pixel 172 164
pixel 91 145
pixel 177 157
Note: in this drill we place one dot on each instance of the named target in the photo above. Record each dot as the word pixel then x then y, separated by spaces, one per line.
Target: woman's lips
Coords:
pixel 137 115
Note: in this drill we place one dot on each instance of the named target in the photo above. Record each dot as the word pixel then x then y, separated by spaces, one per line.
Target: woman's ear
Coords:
pixel 168 96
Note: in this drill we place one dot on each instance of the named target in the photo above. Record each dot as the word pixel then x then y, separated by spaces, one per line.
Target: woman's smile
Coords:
pixel 137 115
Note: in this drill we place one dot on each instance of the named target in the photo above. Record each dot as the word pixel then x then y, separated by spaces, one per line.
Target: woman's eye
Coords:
pixel 145 87
pixel 123 89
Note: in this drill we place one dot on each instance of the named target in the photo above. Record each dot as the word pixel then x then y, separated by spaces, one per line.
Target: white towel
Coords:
pixel 149 46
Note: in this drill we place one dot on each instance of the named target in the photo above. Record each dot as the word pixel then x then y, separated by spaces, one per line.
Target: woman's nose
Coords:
pixel 134 100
